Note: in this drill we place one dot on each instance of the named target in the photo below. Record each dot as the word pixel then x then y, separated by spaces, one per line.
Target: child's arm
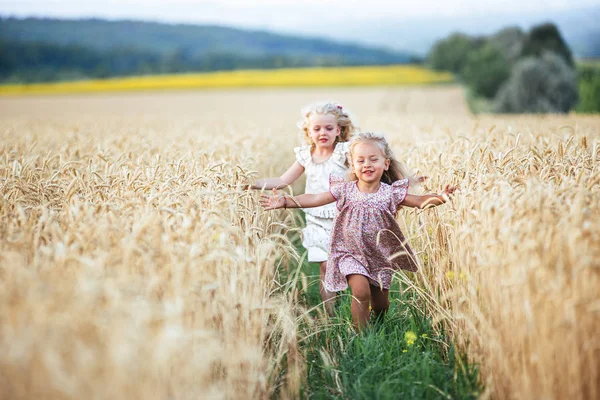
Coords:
pixel 428 200
pixel 284 180
pixel 303 201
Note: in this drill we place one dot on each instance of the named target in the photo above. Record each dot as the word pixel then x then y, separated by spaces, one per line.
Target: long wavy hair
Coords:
pixel 396 171
pixel 342 116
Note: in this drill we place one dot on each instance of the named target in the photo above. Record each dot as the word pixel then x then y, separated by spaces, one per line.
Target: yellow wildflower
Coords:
pixel 410 337
pixel 450 275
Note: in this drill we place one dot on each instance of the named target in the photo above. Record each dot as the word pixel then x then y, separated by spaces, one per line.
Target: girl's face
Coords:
pixel 368 162
pixel 323 129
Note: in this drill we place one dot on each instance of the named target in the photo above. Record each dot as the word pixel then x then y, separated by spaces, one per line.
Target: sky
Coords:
pixel 290 15
pixel 371 22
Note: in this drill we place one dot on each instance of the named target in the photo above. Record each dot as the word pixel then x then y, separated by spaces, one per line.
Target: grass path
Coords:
pixel 402 357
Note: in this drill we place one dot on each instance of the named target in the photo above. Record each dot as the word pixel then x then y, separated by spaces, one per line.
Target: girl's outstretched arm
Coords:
pixel 284 180
pixel 428 200
pixel 303 201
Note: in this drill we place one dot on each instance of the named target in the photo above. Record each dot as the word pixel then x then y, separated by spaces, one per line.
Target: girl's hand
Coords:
pixel 421 178
pixel 272 202
pixel 448 190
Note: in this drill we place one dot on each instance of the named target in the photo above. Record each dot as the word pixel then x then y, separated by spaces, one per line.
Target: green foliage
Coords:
pixel 510 42
pixel 478 104
pixel 515 72
pixel 543 38
pixel 49 49
pixel 451 54
pixel 40 62
pixel 589 89
pixel 545 84
pixel 380 363
pixel 486 69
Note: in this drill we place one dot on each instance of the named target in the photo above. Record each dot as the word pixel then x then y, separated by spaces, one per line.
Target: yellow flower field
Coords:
pixel 299 77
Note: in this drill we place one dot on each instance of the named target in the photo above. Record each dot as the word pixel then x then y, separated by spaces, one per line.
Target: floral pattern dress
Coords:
pixel 366 238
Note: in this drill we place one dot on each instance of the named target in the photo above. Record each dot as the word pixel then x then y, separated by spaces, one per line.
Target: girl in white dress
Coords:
pixel 327 128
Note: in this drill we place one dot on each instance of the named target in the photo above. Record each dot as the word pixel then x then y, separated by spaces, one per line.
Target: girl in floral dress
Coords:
pixel 367 245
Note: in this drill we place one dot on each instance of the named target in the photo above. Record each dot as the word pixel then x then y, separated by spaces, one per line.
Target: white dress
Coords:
pixel 319 220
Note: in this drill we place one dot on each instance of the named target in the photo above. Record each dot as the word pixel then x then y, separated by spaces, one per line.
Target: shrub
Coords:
pixel 539 85
pixel 510 41
pixel 546 37
pixel 486 70
pixel 451 54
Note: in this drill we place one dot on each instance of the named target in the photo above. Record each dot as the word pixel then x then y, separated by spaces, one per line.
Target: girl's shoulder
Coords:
pixel 396 188
pixel 341 154
pixel 303 155
pixel 400 184
pixel 337 180
pixel 338 185
pixel 342 148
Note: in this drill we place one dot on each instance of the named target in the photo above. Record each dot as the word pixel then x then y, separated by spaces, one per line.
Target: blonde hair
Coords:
pixel 396 170
pixel 342 117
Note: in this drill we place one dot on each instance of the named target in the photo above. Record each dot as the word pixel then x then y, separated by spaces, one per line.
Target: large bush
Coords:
pixel 546 37
pixel 510 41
pixel 486 70
pixel 451 54
pixel 545 84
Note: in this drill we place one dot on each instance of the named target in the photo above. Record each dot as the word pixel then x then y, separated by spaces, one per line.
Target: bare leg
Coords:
pixel 361 297
pixel 327 297
pixel 379 302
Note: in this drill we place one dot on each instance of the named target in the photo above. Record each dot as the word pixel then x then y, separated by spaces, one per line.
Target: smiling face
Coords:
pixel 323 130
pixel 368 162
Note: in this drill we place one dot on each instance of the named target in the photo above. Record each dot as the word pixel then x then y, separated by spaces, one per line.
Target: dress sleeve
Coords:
pixel 337 189
pixel 303 155
pixel 341 153
pixel 399 192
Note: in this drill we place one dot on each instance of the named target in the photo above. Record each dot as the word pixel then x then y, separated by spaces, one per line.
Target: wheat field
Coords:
pixel 133 265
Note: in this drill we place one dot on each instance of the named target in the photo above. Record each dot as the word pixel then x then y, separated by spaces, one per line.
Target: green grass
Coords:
pixel 588 79
pixel 478 104
pixel 379 363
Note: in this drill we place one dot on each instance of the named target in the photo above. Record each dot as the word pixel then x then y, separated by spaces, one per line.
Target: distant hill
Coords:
pixel 196 40
pixel 60 49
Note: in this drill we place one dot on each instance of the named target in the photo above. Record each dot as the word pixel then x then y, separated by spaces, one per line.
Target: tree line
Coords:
pixel 34 49
pixel 42 62
pixel 514 71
